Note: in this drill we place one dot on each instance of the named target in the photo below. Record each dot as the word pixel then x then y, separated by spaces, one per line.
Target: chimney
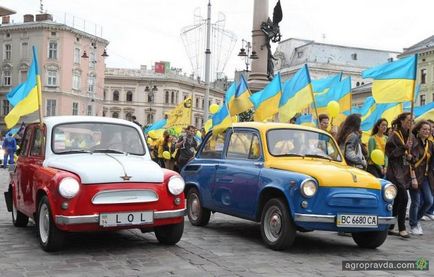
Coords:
pixel 6 19
pixel 29 18
pixel 44 17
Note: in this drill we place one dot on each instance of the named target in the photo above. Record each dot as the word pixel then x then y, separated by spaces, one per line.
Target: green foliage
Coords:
pixel 246 116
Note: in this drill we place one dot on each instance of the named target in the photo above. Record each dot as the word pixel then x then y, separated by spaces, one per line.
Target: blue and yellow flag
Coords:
pixel 230 94
pixel 422 112
pixel 268 104
pixel 180 116
pixel 26 97
pixel 305 120
pixel 374 113
pixel 393 82
pixel 241 102
pixel 160 124
pixel 296 96
pixel 221 119
pixel 324 84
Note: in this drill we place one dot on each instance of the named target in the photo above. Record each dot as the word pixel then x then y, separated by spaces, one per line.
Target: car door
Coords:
pixel 237 176
pixel 35 159
pixel 22 170
pixel 201 170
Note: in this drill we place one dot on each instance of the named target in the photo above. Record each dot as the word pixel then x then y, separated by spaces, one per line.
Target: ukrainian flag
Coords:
pixel 230 94
pixel 268 104
pixel 393 82
pixel 341 93
pixel 161 124
pixel 422 112
pixel 26 97
pixel 221 119
pixel 324 84
pixel 241 101
pixel 377 111
pixel 296 96
pixel 305 120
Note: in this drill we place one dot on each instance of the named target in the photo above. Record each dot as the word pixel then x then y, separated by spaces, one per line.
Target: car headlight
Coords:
pixel 69 187
pixel 308 188
pixel 176 185
pixel 389 192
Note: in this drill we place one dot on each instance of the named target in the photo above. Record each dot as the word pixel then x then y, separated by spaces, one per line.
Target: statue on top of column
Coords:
pixel 272 31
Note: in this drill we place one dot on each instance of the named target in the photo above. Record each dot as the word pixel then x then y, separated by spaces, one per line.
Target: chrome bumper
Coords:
pixel 320 218
pixel 84 219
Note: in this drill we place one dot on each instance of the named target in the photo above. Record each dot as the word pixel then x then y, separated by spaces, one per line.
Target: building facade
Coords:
pixel 327 59
pixel 425 69
pixel 149 95
pixel 71 65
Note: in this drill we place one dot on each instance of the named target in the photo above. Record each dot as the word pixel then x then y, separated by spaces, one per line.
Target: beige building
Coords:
pixel 71 64
pixel 149 95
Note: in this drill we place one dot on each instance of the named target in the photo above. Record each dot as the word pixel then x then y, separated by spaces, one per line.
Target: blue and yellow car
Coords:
pixel 289 178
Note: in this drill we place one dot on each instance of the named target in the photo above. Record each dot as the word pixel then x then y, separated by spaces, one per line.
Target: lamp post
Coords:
pixel 151 90
pixel 246 53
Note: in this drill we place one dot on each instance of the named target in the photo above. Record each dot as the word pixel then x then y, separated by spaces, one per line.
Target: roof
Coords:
pixel 421 46
pixel 54 120
pixel 263 126
pixel 5 11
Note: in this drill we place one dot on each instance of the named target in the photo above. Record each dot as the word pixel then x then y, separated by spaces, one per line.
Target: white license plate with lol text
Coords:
pixel 125 219
pixel 356 220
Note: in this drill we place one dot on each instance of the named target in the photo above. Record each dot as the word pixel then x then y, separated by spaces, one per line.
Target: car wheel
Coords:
pixel 197 215
pixel 18 218
pixel 370 240
pixel 50 238
pixel 277 228
pixel 169 234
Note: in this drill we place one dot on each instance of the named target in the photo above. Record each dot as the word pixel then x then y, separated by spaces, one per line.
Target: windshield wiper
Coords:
pixel 318 156
pixel 74 151
pixel 108 151
pixel 290 155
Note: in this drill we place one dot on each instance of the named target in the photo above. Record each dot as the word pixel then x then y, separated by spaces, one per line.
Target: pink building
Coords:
pixel 71 65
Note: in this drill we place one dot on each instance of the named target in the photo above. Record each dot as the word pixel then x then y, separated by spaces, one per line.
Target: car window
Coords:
pixel 213 147
pixel 243 145
pixel 25 142
pixel 37 143
pixel 294 142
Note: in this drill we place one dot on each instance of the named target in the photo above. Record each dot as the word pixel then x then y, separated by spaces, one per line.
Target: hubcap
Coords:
pixel 194 207
pixel 44 223
pixel 273 224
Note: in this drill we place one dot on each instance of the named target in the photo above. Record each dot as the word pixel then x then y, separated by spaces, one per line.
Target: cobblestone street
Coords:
pixel 226 247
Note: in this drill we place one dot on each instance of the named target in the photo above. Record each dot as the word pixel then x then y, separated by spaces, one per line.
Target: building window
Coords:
pixel 76 81
pixel 91 84
pixel 150 97
pixel 422 99
pixel 196 122
pixel 354 56
pixel 197 102
pixel 149 118
pixel 89 109
pixel 166 97
pixel 52 50
pixel 128 117
pixel 6 107
pixel 6 77
pixel 77 55
pixel 23 75
pixel 115 115
pixel 8 52
pixel 203 103
pixel 300 54
pixel 423 76
pixel 129 96
pixel 357 84
pixel 51 107
pixel 105 94
pixel 390 60
pixel 51 78
pixel 24 50
pixel 172 97
pixel 74 108
pixel 116 96
pixel 92 59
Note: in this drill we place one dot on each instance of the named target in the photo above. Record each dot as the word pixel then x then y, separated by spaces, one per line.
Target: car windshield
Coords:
pixel 303 143
pixel 96 137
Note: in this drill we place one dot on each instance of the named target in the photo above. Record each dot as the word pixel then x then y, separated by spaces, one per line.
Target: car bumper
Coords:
pixel 86 219
pixel 319 218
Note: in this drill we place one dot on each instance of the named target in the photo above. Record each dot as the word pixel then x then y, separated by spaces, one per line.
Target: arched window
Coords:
pixel 166 98
pixel 129 96
pixel 115 115
pixel 116 96
pixel 149 118
pixel 172 98
pixel 128 116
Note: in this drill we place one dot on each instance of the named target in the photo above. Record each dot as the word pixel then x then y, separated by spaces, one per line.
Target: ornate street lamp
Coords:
pixel 246 53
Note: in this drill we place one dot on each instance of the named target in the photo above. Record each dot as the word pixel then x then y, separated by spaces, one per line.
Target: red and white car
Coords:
pixel 78 173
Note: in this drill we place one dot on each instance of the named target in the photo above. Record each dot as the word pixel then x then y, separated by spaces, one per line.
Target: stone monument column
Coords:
pixel 258 76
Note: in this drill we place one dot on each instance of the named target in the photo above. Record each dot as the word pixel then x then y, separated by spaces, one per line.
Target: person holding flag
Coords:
pixel 10 146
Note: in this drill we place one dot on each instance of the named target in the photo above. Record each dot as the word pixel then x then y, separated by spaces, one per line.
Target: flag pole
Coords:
pixel 313 97
pixel 38 85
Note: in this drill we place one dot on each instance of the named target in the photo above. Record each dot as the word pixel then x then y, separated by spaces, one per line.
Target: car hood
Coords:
pixel 328 174
pixel 108 168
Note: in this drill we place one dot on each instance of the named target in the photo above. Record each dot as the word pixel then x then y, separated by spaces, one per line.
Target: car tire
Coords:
pixel 18 218
pixel 277 227
pixel 370 240
pixel 169 234
pixel 50 237
pixel 197 215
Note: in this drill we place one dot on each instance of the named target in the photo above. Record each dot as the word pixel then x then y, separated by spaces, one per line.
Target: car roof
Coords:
pixel 264 126
pixel 54 120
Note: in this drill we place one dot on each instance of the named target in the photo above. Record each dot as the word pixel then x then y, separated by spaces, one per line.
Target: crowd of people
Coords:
pixel 408 163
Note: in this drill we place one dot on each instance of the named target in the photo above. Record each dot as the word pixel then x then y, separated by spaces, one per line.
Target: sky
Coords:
pixel 142 32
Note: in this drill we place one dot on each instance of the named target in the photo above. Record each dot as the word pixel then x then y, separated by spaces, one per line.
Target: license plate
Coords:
pixel 352 220
pixel 125 219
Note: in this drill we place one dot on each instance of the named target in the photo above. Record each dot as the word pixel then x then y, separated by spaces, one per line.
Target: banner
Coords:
pixel 180 117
